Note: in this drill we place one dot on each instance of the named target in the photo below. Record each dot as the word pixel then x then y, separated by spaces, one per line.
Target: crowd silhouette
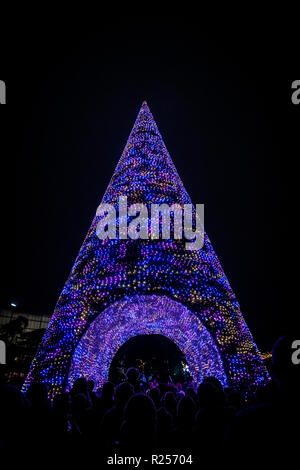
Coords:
pixel 137 418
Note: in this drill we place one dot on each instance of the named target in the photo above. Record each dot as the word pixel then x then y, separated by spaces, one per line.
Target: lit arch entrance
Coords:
pixel 142 315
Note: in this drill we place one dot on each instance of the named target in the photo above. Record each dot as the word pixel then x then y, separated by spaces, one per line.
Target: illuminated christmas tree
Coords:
pixel 120 288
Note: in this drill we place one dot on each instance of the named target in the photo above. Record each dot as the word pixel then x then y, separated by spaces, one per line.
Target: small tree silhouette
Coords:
pixel 12 330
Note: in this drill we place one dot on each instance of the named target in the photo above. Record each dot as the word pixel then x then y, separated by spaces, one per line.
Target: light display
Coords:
pixel 145 315
pixel 110 273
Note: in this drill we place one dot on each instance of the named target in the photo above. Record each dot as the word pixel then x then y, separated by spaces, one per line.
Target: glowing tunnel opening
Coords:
pixel 145 315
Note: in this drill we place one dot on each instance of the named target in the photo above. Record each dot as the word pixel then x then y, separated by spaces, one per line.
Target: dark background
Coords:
pixel 222 101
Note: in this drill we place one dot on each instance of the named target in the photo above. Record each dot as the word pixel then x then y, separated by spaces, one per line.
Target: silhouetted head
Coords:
pixel 123 392
pixel 180 394
pixel 186 409
pixel 132 375
pixel 209 396
pixel 79 386
pixel 37 395
pixel 140 411
pixel 169 401
pixel 214 381
pixel 108 391
pixel 138 429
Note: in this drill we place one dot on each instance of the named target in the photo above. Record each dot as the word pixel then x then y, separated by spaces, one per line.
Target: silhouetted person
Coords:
pixel 186 413
pixel 41 424
pixel 212 418
pixel 185 416
pixel 79 386
pixel 154 394
pixel 37 395
pixel 269 430
pixel 92 394
pixel 13 421
pixel 132 376
pixel 62 412
pixel 138 430
pixel 106 401
pixel 81 414
pixel 164 428
pixel 169 402
pixel 214 381
pixel 209 396
pixel 67 435
pixel 113 418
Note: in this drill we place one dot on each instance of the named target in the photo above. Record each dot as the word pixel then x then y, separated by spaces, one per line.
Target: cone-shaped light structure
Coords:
pixel 121 288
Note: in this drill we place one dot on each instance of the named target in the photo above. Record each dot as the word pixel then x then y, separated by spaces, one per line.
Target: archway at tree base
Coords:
pixel 145 315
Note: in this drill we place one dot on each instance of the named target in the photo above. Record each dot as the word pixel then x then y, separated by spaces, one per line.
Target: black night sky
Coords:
pixel 222 104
